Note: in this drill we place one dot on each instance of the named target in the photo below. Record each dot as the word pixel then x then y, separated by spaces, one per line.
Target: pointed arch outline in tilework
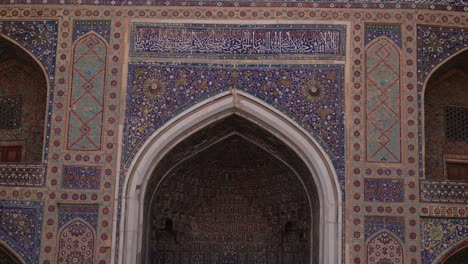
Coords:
pixel 438 235
pixel 457 248
pixel 384 247
pixel 178 89
pixel 38 38
pixel 76 242
pixel 20 227
pixel 86 102
pixel 383 106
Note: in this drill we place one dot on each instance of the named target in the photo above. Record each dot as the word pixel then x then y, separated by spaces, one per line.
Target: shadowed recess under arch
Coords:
pixel 234 194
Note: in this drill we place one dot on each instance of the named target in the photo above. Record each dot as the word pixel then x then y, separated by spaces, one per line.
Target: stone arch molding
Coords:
pixel 205 113
pixel 452 250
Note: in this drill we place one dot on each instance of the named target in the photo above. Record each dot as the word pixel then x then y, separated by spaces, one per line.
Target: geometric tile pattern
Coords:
pixel 20 227
pixel 77 225
pixel 394 224
pixel 384 190
pixel 456 123
pixel 81 177
pixel 392 31
pixel 101 27
pixel 237 41
pixel 438 235
pixel 87 96
pixel 10 112
pixel 383 101
pixel 383 249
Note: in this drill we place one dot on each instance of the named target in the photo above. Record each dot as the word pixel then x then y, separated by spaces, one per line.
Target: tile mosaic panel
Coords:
pixel 81 177
pixel 77 237
pixel 392 31
pixel 87 96
pixel 87 212
pixel 310 94
pixel 384 190
pixel 435 45
pixel 384 248
pixel 394 224
pixel 439 235
pixel 22 175
pixel 10 112
pixel 20 227
pixel 444 191
pixel 456 123
pixel 383 131
pixel 100 27
pixel 238 41
pixel 76 243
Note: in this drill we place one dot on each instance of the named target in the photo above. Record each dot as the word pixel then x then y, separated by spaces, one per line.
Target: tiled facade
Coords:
pixel 350 74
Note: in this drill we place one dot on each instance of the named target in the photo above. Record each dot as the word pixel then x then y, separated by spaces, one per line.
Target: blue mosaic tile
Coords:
pixel 87 212
pixel 435 44
pixel 81 177
pixel 384 190
pixel 312 95
pixel 20 227
pixel 101 27
pixel 392 31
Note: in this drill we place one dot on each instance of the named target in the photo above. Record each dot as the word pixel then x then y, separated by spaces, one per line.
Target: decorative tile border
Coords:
pixel 238 41
pixel 22 174
pixel 87 212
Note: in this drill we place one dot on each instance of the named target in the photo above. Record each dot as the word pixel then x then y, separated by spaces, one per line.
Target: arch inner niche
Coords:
pixel 236 194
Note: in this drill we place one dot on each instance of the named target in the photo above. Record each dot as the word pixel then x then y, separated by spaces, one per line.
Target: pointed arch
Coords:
pixel 384 246
pixel 453 250
pixel 30 85
pixel 88 88
pixel 383 101
pixel 76 242
pixel 203 114
pixel 7 252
